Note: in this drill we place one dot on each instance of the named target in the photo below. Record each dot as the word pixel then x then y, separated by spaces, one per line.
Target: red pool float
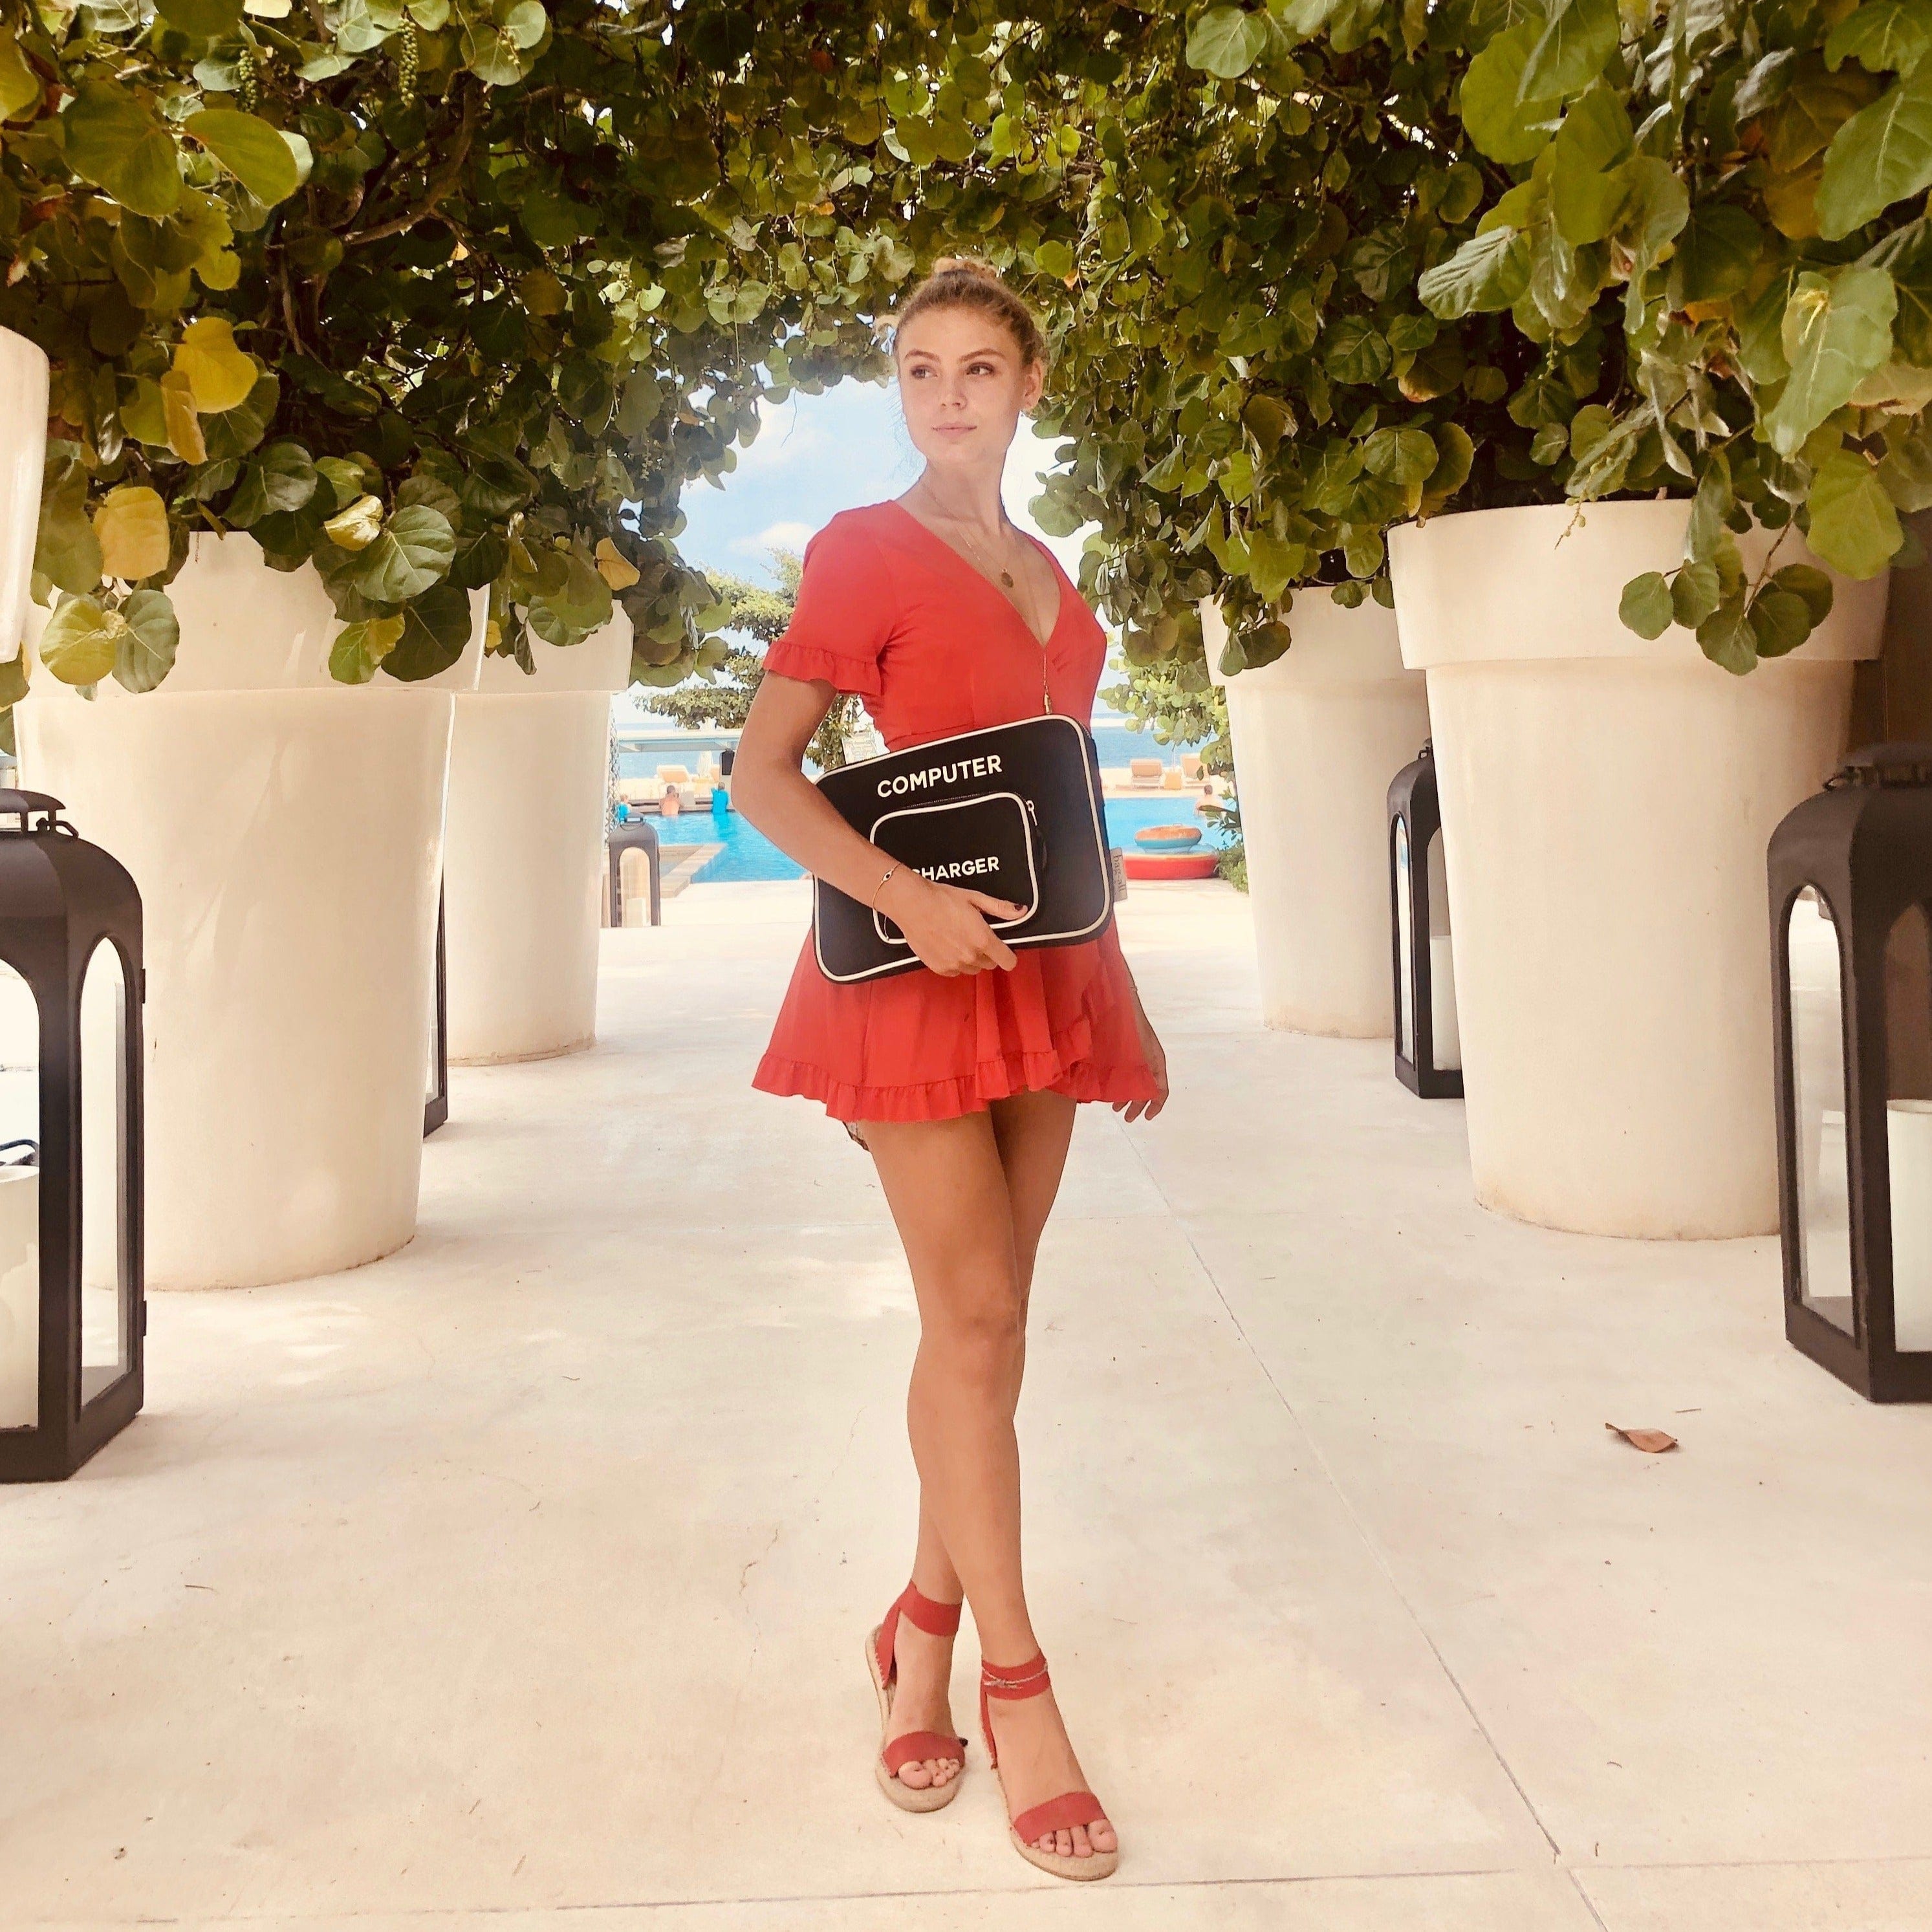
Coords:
pixel 1167 838
pixel 1168 865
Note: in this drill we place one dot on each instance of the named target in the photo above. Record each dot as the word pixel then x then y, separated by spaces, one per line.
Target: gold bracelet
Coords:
pixel 881 886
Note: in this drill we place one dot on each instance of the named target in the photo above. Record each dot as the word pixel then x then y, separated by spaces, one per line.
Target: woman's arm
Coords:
pixel 945 925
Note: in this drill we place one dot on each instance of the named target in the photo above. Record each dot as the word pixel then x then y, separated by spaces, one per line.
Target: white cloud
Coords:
pixel 784 437
pixel 774 536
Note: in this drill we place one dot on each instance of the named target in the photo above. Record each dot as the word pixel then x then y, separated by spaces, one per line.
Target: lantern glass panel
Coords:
pixel 106 1297
pixel 1908 1124
pixel 19 1202
pixel 1818 1086
pixel 1444 1036
pixel 1405 945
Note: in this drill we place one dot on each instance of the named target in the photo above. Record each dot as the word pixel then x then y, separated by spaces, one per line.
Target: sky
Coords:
pixel 813 456
pixel 817 455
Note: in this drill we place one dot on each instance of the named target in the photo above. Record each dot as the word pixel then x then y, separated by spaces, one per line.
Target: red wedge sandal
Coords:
pixel 1061 1814
pixel 936 1620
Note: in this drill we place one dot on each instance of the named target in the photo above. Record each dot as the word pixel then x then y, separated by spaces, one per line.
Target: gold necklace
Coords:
pixel 1006 578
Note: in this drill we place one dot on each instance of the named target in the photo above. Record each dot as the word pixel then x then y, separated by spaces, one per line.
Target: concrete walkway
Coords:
pixel 519 1580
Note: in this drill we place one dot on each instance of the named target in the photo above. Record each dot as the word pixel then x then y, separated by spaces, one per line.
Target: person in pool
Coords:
pixel 962 1081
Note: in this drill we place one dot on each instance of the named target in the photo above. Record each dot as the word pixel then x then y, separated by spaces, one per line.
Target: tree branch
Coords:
pixel 445 178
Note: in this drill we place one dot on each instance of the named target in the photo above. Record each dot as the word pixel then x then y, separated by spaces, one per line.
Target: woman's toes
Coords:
pixel 1081 1849
pixel 916 1774
pixel 1101 1834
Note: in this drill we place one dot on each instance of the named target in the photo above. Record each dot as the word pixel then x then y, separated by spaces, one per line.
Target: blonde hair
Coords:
pixel 958 281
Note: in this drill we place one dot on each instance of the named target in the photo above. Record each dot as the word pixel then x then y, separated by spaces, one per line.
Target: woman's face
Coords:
pixel 963 387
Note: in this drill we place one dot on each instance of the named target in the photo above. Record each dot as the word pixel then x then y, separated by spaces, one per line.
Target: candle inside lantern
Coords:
pixel 19 1297
pixel 1908 1132
pixel 1448 1039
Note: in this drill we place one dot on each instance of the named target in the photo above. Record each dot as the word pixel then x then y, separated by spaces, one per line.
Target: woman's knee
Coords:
pixel 980 1328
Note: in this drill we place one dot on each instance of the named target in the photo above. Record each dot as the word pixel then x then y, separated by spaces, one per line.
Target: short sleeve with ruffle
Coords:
pixel 844 613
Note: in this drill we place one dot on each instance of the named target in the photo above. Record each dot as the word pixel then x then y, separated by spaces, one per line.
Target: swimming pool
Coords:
pixel 749 854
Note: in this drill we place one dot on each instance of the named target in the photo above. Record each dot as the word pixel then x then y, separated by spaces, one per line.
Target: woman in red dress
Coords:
pixel 960 1081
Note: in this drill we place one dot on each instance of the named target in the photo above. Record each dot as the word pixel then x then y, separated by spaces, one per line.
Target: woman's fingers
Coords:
pixel 999 908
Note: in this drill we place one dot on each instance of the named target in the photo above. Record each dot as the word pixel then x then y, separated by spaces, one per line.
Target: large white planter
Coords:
pixel 528 780
pixel 23 448
pixel 1607 802
pixel 1317 735
pixel 286 832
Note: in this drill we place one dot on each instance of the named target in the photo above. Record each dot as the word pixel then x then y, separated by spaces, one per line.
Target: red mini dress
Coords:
pixel 889 610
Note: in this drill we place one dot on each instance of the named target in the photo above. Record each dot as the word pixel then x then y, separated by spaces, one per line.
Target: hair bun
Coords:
pixel 964 265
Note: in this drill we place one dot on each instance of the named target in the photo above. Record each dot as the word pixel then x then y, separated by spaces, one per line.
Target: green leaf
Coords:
pixel 1572 50
pixel 281 478
pixel 360 648
pixel 13 680
pixel 144 653
pixel 1716 253
pixel 1457 457
pixel 1354 351
pixel 81 641
pixel 435 632
pixel 1879 156
pixel 67 552
pixel 235 432
pixel 1835 333
pixel 1882 36
pixel 1489 272
pixel 1695 594
pixel 1727 636
pixel 1501 124
pixel 1807 581
pixel 19 86
pixel 1779 622
pixel 251 151
pixel 201 20
pixel 1225 42
pixel 115 140
pixel 412 552
pixel 1272 564
pixel 1644 607
pixel 1852 525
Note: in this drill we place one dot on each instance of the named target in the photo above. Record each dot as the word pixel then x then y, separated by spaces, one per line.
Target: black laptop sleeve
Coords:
pixel 1014 810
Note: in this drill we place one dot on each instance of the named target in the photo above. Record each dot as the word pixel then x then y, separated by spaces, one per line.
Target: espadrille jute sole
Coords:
pixel 934 1797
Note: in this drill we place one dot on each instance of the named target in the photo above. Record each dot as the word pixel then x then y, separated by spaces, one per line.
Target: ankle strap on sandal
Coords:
pixel 996 1680
pixel 1025 1680
pixel 923 1612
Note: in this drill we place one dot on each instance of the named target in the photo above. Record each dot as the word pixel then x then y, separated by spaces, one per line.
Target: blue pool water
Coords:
pixel 749 854
pixel 639 756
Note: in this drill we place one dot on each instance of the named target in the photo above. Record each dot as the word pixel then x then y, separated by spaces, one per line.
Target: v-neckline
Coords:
pixel 966 564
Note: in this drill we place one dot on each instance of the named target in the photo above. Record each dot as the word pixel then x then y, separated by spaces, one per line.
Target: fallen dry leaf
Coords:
pixel 1651 1441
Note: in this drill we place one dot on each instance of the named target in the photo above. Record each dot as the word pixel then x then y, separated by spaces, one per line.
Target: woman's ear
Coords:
pixel 1031 384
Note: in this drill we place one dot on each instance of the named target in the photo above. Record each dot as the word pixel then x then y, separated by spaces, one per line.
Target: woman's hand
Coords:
pixel 1156 1057
pixel 945 925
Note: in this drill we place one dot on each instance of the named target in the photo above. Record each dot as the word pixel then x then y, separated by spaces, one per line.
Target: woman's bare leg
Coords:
pixel 969 1197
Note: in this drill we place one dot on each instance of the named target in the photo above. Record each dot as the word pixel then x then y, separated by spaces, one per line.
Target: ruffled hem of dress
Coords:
pixel 806 662
pixel 997 1079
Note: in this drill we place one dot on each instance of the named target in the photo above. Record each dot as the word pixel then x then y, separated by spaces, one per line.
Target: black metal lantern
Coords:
pixel 436 1074
pixel 1851 905
pixel 72 1315
pixel 635 835
pixel 1428 1045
